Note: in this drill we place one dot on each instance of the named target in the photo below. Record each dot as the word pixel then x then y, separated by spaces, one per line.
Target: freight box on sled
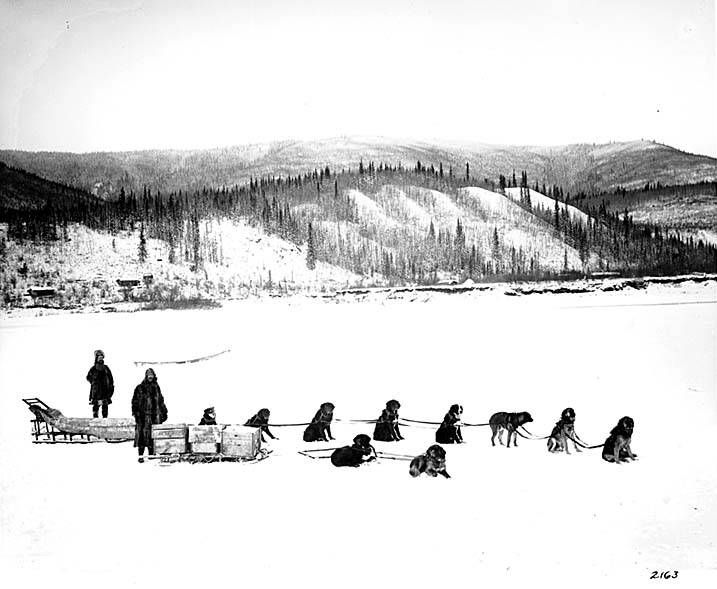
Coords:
pixel 241 441
pixel 205 439
pixel 169 438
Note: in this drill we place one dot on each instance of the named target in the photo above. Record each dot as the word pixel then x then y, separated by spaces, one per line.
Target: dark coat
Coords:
pixel 148 408
pixel 102 385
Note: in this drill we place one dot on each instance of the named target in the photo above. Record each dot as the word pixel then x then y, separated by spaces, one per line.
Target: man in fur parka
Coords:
pixel 102 385
pixel 148 408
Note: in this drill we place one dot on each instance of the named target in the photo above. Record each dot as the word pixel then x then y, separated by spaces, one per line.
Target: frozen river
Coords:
pixel 79 516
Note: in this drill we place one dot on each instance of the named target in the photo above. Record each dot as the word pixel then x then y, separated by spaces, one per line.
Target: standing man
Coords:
pixel 148 408
pixel 102 385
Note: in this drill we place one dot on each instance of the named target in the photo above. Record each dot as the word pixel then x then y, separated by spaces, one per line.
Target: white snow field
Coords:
pixel 86 516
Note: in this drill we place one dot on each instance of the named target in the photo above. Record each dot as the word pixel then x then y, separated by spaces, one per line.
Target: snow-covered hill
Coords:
pixel 243 261
pixel 538 199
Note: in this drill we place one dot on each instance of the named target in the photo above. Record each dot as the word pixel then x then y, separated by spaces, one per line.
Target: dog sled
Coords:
pixel 172 442
pixel 204 444
pixel 50 426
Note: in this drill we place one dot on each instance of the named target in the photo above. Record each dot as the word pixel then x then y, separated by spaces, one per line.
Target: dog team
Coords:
pixel 616 447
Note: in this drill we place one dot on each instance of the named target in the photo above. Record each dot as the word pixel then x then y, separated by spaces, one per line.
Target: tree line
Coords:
pixel 315 210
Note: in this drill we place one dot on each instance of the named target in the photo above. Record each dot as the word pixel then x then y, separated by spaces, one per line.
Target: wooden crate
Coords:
pixel 170 446
pixel 205 433
pixel 242 441
pixel 169 438
pixel 205 439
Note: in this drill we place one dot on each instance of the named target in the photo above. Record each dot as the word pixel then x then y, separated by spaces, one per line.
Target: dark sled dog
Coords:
pixel 617 447
pixel 261 420
pixel 320 428
pixel 432 462
pixel 510 422
pixel 449 431
pixel 563 431
pixel 386 429
pixel 361 451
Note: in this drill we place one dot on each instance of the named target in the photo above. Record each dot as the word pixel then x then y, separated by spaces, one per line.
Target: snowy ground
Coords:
pixel 89 516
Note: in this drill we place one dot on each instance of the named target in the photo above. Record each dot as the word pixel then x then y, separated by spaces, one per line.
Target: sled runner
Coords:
pixel 202 458
pixel 50 426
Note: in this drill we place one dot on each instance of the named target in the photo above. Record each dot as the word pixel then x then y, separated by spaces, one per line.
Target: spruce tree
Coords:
pixel 142 251
pixel 310 250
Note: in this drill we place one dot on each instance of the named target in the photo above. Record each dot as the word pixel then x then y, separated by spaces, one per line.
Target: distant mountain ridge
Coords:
pixel 578 167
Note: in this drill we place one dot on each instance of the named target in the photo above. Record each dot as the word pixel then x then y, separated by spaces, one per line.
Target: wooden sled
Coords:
pixel 50 426
pixel 192 458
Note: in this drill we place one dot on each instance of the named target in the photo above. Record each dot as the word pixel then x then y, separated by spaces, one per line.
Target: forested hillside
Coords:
pixel 378 224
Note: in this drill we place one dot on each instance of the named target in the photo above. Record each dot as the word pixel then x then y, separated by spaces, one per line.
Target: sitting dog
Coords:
pixel 361 451
pixel 320 428
pixel 209 417
pixel 510 422
pixel 433 463
pixel 617 447
pixel 387 425
pixel 261 420
pixel 449 431
pixel 563 431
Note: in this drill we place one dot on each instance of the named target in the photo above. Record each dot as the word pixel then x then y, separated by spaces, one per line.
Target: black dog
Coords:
pixel 449 431
pixel 387 425
pixel 563 431
pixel 361 451
pixel 320 425
pixel 510 422
pixel 617 447
pixel 261 420
pixel 433 463
pixel 209 417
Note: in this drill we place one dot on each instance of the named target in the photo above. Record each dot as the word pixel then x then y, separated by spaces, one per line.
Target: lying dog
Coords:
pixel 510 422
pixel 361 451
pixel 449 431
pixel 617 447
pixel 433 463
pixel 563 431
pixel 261 420
pixel 320 428
pixel 387 425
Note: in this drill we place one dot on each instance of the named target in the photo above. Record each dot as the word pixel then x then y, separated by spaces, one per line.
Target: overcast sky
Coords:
pixel 91 75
